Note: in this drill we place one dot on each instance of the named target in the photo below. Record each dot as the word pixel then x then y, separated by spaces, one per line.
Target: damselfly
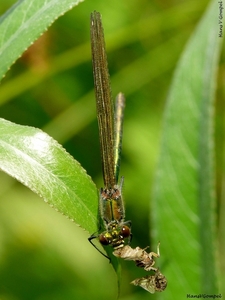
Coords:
pixel 111 206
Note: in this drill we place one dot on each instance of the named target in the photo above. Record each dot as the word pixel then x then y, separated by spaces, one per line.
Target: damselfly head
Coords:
pixel 115 235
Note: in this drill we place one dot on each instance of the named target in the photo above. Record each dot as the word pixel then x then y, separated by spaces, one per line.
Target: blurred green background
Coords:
pixel 42 254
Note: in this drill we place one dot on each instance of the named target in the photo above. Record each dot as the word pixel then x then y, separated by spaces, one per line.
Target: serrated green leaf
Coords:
pixel 39 162
pixel 24 23
pixel 183 209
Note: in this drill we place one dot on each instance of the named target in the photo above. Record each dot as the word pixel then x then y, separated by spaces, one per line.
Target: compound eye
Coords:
pixel 103 240
pixel 125 231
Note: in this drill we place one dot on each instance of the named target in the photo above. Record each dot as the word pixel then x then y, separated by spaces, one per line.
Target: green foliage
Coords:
pixel 143 42
pixel 24 23
pixel 184 198
pixel 40 163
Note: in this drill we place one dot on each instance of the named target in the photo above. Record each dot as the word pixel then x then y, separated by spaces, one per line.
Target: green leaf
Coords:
pixel 23 23
pixel 39 162
pixel 183 209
